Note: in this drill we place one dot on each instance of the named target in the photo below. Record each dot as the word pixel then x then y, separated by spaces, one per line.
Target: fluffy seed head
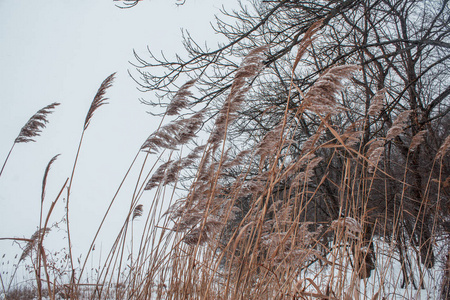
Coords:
pixel 180 100
pixel 417 140
pixel 35 124
pixel 398 125
pixel 444 148
pixel 99 98
pixel 321 97
pixel 377 103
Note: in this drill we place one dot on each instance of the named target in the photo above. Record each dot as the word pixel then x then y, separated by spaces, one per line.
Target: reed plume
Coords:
pixel 291 249
pixel 377 103
pixel 138 211
pixel 168 172
pixel 237 160
pixel 305 176
pixel 348 225
pixel 398 125
pixel 374 154
pixel 444 148
pixel 310 142
pixel 270 141
pixel 306 41
pixel 35 124
pixel 172 135
pixel 417 140
pixel 34 240
pixel 31 129
pixel 158 176
pixel 180 100
pixel 352 135
pixel 44 181
pixel 321 97
pixel 249 68
pixel 99 98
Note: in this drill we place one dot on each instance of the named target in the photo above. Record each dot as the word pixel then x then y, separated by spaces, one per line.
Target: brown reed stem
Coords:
pixel 7 158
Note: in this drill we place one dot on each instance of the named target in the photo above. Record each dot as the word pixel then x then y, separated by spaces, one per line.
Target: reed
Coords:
pixel 31 129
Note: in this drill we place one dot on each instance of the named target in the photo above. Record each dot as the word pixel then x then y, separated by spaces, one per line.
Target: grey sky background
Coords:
pixel 61 51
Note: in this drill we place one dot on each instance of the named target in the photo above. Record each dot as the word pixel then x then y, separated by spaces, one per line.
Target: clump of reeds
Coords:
pixel 250 224
pixel 251 236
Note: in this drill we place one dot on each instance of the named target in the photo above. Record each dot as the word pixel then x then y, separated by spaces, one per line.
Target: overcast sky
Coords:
pixel 61 51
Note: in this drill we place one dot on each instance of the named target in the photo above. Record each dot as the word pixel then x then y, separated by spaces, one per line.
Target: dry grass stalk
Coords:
pixel 99 99
pixel 445 285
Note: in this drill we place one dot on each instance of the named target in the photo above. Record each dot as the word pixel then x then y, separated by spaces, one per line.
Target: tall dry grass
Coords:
pixel 260 234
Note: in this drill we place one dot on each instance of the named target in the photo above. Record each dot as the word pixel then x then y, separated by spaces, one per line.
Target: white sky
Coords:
pixel 61 51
